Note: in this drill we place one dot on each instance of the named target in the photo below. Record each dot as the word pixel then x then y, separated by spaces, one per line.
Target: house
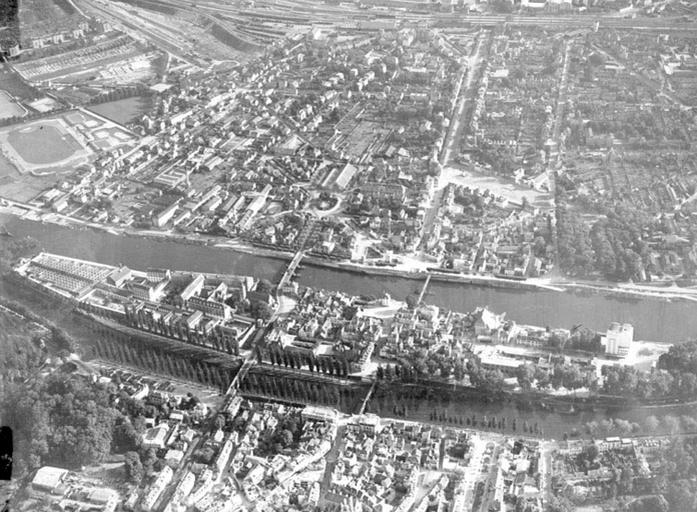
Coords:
pixel 162 218
pixel 174 456
pixel 193 319
pixel 49 479
pixel 193 288
pixel 318 414
pixel 119 276
pixel 156 489
pixel 369 423
pixel 155 437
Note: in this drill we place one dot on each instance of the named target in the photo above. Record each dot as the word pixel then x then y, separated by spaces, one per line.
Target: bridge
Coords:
pixel 365 401
pixel 290 270
pixel 239 377
pixel 423 289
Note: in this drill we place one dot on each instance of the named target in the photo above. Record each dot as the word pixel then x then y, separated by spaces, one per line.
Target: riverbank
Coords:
pixel 621 290
pixel 653 318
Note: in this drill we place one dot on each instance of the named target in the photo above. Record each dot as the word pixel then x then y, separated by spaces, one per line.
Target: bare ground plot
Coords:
pixel 497 186
pixel 23 187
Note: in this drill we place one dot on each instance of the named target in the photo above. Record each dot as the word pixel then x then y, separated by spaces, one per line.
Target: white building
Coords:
pixel 153 494
pixel 48 479
pixel 318 414
pixel 618 339
pixel 155 437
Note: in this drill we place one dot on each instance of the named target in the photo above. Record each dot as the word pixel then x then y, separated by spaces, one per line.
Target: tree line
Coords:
pixel 612 246
pixel 177 329
pixel 61 420
pixel 155 359
pixel 297 390
pixel 675 376
pixel 277 356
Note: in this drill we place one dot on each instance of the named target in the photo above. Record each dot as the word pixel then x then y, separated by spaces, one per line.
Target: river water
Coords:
pixel 653 319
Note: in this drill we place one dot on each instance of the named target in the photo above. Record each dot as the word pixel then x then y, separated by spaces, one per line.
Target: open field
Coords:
pixel 36 17
pixel 56 144
pixel 123 111
pixel 12 83
pixel 9 107
pixel 43 143
pixel 23 187
pixel 460 175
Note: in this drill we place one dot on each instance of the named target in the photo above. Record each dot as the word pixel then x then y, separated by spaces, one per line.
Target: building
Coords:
pixel 193 288
pixel 49 479
pixel 224 455
pixel 318 414
pixel 492 360
pixel 155 437
pixel 209 307
pixel 369 423
pixel 618 339
pixel 185 486
pixel 194 319
pixel 153 494
pixel 119 276
pixel 174 456
pixel 162 218
pixel 155 275
pixel 107 499
pixel 145 289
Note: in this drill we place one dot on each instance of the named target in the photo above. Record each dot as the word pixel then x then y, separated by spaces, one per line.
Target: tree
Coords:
pixel 525 374
pixel 125 437
pixel 286 438
pixel 649 504
pixel 590 453
pixel 681 495
pixel 148 457
pixel 261 310
pixel 560 504
pixel 626 481
pixel 264 286
pixel 61 418
pixel 219 422
pixel 133 467
pixel 412 301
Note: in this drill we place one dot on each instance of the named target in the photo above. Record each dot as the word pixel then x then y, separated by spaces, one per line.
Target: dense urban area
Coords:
pixel 540 145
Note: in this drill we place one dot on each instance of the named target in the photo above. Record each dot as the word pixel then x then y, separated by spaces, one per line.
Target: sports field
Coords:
pixel 43 143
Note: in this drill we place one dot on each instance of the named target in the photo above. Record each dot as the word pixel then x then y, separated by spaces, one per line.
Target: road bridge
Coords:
pixel 290 270
pixel 239 377
pixel 423 289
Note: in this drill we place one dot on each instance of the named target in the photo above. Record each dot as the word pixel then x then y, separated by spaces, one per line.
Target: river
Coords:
pixel 653 319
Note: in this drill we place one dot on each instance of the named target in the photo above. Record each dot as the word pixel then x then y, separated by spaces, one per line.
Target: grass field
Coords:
pixel 43 143
pixel 8 107
pixel 13 84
